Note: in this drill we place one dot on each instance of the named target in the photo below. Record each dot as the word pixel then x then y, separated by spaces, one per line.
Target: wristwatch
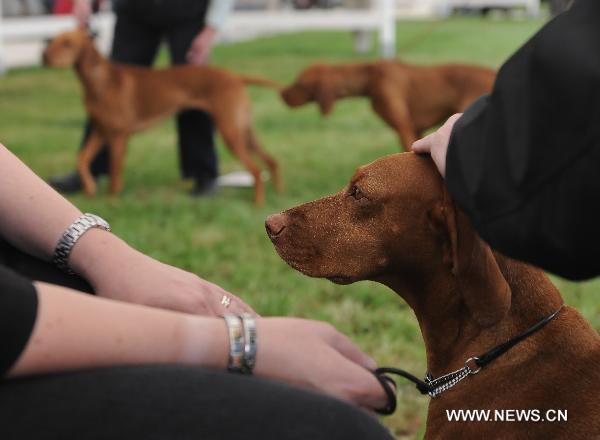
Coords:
pixel 72 234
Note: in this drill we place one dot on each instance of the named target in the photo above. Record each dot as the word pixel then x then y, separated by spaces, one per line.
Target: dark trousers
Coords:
pixel 173 403
pixel 136 41
pixel 166 402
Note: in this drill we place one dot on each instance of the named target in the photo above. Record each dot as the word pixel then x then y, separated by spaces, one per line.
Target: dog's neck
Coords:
pixel 93 70
pixel 450 330
pixel 353 80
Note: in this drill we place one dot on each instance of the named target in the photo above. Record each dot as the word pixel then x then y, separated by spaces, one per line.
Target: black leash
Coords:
pixel 435 387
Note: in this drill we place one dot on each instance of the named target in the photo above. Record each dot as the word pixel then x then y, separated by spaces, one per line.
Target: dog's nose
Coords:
pixel 275 224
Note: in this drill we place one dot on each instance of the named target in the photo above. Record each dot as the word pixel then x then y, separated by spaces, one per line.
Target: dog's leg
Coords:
pixel 86 156
pixel 271 163
pixel 236 140
pixel 118 145
pixel 397 116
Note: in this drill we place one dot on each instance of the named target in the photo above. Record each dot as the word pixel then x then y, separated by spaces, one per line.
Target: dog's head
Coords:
pixel 66 48
pixel 393 223
pixel 314 84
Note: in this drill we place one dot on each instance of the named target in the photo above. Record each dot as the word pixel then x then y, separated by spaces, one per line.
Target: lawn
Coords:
pixel 223 238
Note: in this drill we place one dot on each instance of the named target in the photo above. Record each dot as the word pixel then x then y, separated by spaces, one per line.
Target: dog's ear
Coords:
pixel 325 95
pixel 88 54
pixel 481 284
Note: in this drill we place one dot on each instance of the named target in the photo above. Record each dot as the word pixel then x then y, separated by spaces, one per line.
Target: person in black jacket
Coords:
pixel 189 28
pixel 524 162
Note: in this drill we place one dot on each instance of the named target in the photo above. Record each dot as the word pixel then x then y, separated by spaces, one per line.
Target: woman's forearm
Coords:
pixel 33 215
pixel 75 331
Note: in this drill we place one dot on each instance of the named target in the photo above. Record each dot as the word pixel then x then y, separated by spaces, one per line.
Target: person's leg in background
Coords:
pixel 135 42
pixel 197 152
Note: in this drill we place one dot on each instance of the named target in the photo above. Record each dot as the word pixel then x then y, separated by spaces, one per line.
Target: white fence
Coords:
pixel 22 39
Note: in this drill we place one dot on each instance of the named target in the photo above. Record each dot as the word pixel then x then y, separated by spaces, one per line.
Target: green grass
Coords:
pixel 223 238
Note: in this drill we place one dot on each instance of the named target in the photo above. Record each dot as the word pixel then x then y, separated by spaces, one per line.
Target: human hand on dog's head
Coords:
pixel 436 143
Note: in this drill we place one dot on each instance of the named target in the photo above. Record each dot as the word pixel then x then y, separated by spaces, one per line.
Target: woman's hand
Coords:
pixel 436 143
pixel 117 271
pixel 315 355
pixel 201 46
pixel 150 282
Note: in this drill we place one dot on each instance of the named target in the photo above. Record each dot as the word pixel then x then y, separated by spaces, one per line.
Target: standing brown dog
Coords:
pixel 121 100
pixel 395 224
pixel 409 98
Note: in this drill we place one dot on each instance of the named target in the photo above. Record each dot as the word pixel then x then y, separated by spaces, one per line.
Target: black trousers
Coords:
pixel 167 402
pixel 173 403
pixel 136 41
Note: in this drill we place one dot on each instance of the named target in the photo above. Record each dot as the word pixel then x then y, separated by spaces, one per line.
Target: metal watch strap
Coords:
pixel 72 234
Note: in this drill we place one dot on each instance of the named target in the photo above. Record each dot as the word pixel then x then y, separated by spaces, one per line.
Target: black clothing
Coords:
pixel 163 12
pixel 140 28
pixel 18 298
pixel 18 310
pixel 174 403
pixel 524 162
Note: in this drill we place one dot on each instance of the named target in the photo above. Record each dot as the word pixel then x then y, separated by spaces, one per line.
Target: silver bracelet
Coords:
pixel 236 343
pixel 72 234
pixel 249 324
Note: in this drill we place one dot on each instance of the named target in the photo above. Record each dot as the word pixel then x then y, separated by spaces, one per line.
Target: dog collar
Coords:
pixel 473 365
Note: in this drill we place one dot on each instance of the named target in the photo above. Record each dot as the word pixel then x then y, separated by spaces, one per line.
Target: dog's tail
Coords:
pixel 263 82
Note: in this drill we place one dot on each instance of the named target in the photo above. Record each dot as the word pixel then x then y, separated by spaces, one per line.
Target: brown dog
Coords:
pixel 395 224
pixel 121 100
pixel 409 98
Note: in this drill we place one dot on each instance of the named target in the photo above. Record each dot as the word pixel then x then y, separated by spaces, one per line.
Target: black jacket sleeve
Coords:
pixel 18 311
pixel 524 162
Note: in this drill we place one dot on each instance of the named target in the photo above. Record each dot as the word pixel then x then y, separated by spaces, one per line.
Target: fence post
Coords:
pixel 387 31
pixel 2 66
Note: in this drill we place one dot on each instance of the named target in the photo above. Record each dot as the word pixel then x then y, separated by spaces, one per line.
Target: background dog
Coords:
pixel 121 100
pixel 409 98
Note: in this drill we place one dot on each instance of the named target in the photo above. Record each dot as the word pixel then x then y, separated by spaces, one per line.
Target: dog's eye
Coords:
pixel 356 192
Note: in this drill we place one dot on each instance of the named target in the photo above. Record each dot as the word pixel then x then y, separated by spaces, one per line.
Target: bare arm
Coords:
pixel 202 45
pixel 33 218
pixel 33 215
pixel 75 331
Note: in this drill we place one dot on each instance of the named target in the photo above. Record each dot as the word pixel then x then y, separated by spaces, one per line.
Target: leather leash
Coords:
pixel 473 365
